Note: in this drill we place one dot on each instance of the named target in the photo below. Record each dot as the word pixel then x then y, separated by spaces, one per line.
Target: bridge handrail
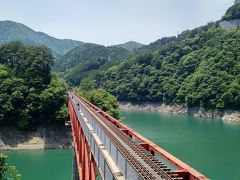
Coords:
pixel 96 146
pixel 128 169
pixel 182 168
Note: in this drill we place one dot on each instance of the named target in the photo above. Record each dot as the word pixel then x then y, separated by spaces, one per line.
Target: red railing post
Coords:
pixel 86 167
pixel 92 168
pixel 183 169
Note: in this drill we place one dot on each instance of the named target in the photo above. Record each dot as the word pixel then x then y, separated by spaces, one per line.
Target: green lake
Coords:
pixel 210 146
pixel 42 164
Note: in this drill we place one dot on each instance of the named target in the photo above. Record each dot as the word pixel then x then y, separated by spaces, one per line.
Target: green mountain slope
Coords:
pixel 12 31
pixel 86 58
pixel 200 67
pixel 233 12
pixel 154 45
pixel 130 45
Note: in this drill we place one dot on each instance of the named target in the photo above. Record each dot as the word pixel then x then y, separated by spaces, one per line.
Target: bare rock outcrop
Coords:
pixel 231 24
pixel 226 115
pixel 42 138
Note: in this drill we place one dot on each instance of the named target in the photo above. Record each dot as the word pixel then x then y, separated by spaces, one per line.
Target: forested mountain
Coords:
pixel 12 31
pixel 86 58
pixel 233 12
pixel 154 45
pixel 130 45
pixel 30 95
pixel 200 67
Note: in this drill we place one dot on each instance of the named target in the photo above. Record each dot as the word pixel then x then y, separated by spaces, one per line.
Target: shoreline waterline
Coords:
pixel 207 145
pixel 42 138
pixel 229 116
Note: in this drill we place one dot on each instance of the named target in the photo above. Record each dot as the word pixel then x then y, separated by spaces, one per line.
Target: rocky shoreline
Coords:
pixel 42 138
pixel 226 115
pixel 60 137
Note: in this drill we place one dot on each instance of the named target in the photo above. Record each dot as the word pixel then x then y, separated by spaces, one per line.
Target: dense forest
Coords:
pixel 30 95
pixel 233 12
pixel 199 67
pixel 102 99
pixel 13 31
pixel 202 70
pixel 84 59
pixel 130 45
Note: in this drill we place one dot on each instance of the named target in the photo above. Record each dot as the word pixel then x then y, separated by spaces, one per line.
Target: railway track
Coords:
pixel 143 162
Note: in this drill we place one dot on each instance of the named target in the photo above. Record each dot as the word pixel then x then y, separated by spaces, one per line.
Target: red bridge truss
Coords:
pixel 106 147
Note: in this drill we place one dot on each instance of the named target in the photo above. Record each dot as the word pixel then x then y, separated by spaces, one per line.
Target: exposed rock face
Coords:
pixel 233 117
pixel 232 24
pixel 226 115
pixel 43 138
pixel 148 106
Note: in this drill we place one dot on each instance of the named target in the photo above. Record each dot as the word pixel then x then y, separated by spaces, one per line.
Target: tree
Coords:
pixel 30 95
pixel 200 67
pixel 233 12
pixel 101 99
pixel 7 172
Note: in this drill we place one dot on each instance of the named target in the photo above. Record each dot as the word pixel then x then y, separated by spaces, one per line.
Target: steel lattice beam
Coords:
pixel 102 141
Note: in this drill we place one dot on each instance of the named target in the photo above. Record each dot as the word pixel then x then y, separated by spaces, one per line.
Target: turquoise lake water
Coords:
pixel 210 146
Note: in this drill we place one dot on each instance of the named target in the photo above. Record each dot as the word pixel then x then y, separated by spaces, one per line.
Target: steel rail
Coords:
pixel 145 158
pixel 142 161
pixel 183 169
pixel 94 140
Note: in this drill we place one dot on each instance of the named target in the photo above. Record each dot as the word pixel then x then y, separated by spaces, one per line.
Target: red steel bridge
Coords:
pixel 107 148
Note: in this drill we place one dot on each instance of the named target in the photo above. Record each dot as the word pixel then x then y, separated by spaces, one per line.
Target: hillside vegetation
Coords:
pixel 199 67
pixel 12 31
pixel 130 45
pixel 7 171
pixel 154 46
pixel 233 12
pixel 102 99
pixel 30 95
pixel 84 59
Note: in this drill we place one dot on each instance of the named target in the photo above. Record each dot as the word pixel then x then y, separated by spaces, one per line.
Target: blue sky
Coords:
pixel 110 22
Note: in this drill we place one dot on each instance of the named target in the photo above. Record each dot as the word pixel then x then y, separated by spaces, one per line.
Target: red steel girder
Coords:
pixel 86 163
pixel 183 170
